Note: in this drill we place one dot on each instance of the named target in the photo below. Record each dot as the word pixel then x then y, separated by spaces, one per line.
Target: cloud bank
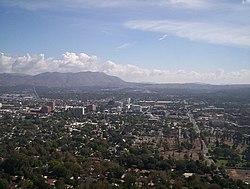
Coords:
pixel 72 62
pixel 48 4
pixel 195 31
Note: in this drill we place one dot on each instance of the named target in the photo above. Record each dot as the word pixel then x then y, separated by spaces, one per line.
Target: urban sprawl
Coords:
pixel 110 139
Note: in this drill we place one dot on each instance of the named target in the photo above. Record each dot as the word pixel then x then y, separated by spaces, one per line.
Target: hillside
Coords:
pixel 57 79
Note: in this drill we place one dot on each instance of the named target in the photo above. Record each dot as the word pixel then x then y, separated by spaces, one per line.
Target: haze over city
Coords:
pixel 161 41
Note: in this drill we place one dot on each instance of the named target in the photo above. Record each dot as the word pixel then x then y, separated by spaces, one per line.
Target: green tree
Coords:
pixel 61 171
pixel 60 184
pixel 40 183
pixel 4 183
pixel 26 184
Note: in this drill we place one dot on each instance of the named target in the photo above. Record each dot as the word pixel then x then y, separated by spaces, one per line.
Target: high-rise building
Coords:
pixel 51 104
pixel 91 108
pixel 46 109
pixel 128 105
pixel 78 111
pixel 129 101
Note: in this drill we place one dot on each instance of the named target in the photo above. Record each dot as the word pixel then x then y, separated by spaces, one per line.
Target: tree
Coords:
pixel 115 171
pixel 4 183
pixel 40 183
pixel 26 184
pixel 130 180
pixel 10 166
pixel 214 186
pixel 61 171
pixel 180 165
pixel 60 184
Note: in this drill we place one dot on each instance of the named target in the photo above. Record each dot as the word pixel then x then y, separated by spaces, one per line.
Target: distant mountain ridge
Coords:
pixel 56 79
pixel 100 79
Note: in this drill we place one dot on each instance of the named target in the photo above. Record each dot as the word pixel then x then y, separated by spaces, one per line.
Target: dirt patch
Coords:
pixel 242 174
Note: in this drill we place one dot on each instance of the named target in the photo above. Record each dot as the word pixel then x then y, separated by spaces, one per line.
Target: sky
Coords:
pixel 156 41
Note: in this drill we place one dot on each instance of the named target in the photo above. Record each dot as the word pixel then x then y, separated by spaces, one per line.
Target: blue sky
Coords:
pixel 164 41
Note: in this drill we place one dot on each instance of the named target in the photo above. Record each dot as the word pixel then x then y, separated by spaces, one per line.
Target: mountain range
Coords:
pixel 97 79
pixel 64 80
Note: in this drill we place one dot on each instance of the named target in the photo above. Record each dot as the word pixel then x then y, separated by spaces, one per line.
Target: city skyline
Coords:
pixel 162 41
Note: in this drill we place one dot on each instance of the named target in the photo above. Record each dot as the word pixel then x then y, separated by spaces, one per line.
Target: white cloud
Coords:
pixel 179 3
pixel 196 31
pixel 47 4
pixel 6 63
pixel 34 64
pixel 124 46
pixel 185 3
pixel 245 1
pixel 162 37
pixel 72 62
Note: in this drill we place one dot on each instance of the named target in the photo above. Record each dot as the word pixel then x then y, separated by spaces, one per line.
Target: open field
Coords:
pixel 194 153
pixel 242 174
pixel 220 163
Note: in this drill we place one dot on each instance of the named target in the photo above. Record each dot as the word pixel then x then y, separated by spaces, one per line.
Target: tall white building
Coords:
pixel 128 103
